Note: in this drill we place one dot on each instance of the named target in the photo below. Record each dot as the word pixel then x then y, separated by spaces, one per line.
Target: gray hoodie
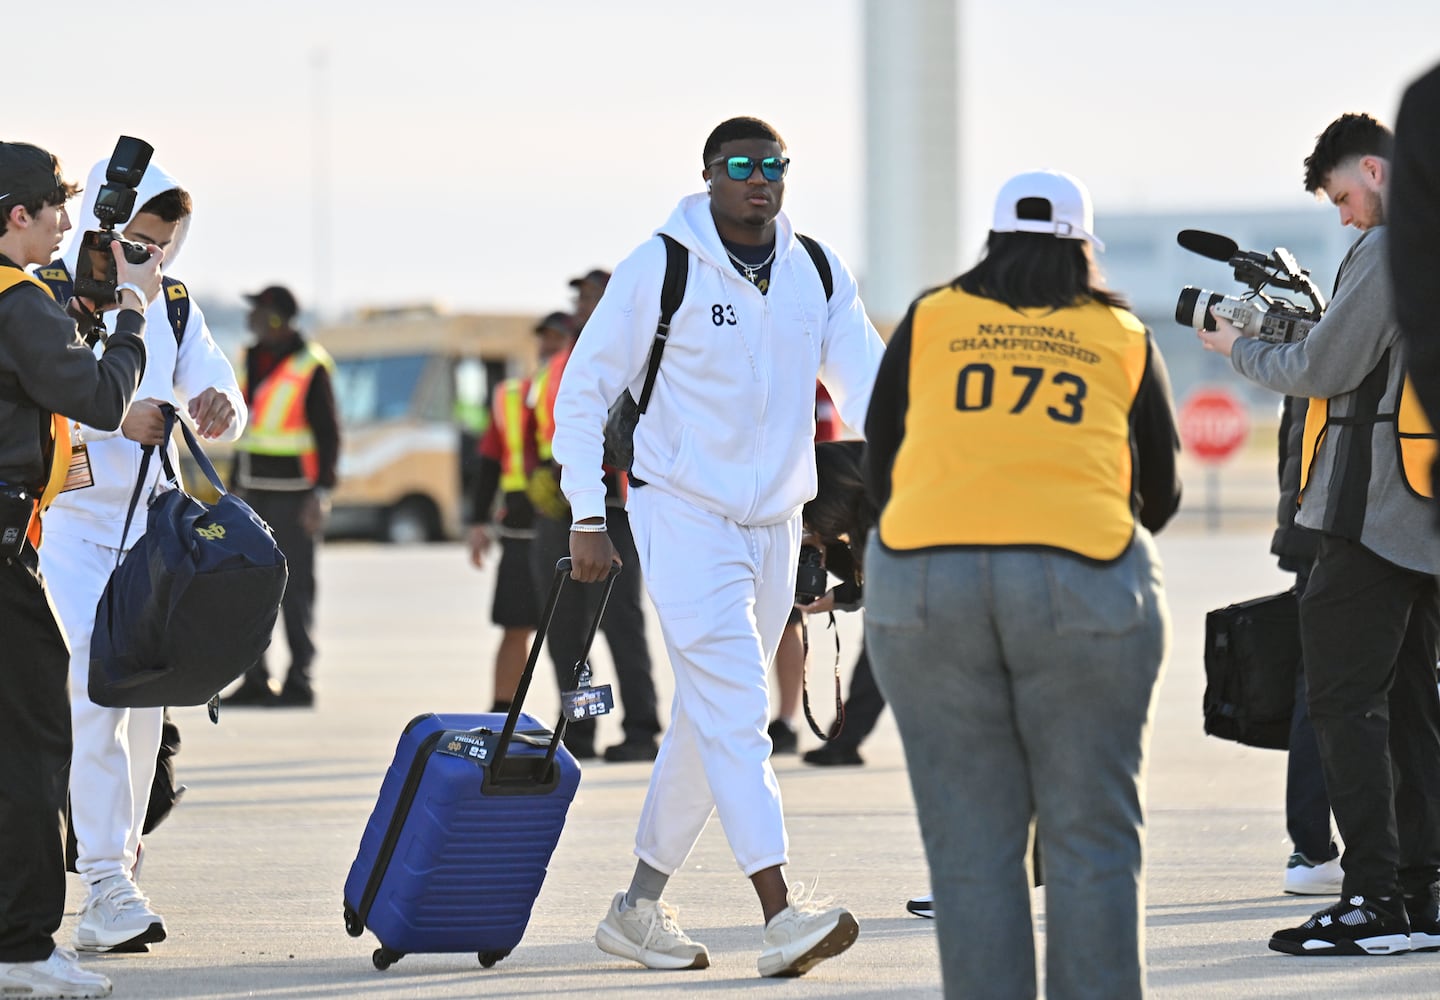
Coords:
pixel 1355 487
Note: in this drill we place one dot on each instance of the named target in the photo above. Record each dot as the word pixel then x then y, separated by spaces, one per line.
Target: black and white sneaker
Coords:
pixel 922 906
pixel 1357 925
pixel 1423 909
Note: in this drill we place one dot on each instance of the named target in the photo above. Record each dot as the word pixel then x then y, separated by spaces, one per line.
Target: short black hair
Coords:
pixel 170 206
pixel 1345 138
pixel 738 128
pixel 35 176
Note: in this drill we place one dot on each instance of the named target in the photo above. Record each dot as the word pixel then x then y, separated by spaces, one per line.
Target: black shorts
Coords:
pixel 515 605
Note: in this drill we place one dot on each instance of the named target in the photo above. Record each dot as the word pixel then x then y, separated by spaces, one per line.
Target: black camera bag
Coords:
pixel 1252 650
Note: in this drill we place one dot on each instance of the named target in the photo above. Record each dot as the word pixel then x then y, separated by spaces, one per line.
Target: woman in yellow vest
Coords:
pixel 1022 448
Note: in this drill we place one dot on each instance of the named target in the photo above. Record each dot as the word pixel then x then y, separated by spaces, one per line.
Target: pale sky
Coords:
pixel 479 153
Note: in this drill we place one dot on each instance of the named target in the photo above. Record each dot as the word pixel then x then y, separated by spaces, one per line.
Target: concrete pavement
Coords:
pixel 249 870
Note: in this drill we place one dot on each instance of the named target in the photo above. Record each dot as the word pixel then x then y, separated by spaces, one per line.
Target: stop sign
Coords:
pixel 1213 424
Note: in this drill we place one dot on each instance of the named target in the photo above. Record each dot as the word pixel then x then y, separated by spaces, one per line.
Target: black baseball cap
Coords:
pixel 596 276
pixel 563 322
pixel 278 299
pixel 28 171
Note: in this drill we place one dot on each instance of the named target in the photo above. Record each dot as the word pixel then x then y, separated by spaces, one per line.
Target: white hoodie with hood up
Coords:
pixel 97 513
pixel 731 421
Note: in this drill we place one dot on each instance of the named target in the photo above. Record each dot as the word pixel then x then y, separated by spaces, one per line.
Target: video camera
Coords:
pixel 95 266
pixel 1269 318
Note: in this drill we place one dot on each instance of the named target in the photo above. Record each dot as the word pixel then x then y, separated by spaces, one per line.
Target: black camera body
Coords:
pixel 95 276
pixel 1257 314
pixel 810 578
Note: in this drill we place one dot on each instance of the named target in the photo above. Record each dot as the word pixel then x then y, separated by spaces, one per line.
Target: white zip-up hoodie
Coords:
pixel 97 513
pixel 731 421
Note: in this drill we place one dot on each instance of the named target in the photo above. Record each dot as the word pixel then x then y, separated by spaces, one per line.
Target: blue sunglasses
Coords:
pixel 772 168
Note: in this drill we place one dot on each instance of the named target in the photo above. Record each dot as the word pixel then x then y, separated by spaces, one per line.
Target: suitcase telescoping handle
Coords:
pixel 557 585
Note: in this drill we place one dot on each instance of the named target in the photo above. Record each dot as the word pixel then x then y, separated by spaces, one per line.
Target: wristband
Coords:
pixel 598 529
pixel 130 287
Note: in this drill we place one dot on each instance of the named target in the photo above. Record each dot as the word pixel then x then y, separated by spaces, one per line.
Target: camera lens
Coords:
pixel 1193 309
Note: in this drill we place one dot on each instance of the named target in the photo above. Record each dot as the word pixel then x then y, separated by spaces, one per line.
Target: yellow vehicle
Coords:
pixel 412 386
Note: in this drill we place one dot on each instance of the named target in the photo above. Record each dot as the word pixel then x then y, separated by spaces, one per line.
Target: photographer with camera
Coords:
pixel 1370 615
pixel 47 374
pixel 1022 449
pixel 115 748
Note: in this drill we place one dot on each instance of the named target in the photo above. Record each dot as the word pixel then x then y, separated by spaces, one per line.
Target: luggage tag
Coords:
pixel 586 702
pixel 476 746
pixel 78 474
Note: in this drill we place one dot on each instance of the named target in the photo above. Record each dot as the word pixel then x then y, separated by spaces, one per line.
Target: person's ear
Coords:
pixel 1376 168
pixel 20 221
pixel 705 175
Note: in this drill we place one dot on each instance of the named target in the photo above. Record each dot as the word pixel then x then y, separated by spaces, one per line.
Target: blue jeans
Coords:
pixel 1023 683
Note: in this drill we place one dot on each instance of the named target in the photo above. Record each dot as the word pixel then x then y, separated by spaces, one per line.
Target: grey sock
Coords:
pixel 648 883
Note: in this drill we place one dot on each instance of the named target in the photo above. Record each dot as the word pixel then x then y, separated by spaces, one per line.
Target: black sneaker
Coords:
pixel 249 696
pixel 1423 909
pixel 922 906
pixel 294 697
pixel 782 738
pixel 632 751
pixel 831 755
pixel 1357 925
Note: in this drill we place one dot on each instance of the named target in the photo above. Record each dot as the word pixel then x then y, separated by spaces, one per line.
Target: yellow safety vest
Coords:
pixel 58 444
pixel 1018 428
pixel 547 387
pixel 278 425
pixel 1415 440
pixel 508 415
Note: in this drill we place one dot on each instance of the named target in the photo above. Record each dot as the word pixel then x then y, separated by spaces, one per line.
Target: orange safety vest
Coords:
pixel 59 443
pixel 547 387
pixel 277 411
pixel 507 410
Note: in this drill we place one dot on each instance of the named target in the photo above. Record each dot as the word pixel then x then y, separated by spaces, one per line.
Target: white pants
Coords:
pixel 722 592
pixel 113 763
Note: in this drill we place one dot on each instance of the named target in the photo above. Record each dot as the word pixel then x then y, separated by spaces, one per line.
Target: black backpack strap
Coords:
pixel 177 306
pixel 58 279
pixel 822 263
pixel 672 293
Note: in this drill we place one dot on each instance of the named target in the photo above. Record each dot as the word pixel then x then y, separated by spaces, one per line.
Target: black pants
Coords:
pixel 34 766
pixel 623 625
pixel 1307 806
pixel 281 509
pixel 1370 633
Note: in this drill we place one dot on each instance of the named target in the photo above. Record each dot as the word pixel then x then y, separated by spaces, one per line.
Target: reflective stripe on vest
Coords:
pixel 508 414
pixel 58 444
pixel 278 425
pixel 547 387
pixel 1018 428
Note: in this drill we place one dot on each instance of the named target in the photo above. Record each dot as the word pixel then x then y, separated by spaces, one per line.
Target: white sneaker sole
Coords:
pixel 140 942
pixel 824 943
pixel 615 944
pixel 1383 944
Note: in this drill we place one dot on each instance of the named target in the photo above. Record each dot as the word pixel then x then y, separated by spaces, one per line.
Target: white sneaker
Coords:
pixel 1304 877
pixel 647 933
pixel 117 917
pixel 805 933
pixel 922 906
pixel 57 976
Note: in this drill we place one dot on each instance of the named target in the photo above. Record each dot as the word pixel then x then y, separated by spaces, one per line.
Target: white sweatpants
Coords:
pixel 722 592
pixel 113 763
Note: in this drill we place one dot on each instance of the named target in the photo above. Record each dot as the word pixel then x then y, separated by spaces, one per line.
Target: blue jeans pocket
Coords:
pixel 895 589
pixel 1093 599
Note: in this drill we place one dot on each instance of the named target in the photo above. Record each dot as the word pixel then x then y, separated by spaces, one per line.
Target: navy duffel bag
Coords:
pixel 192 606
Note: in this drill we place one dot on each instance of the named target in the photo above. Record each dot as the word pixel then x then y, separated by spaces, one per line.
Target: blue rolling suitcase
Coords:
pixel 468 816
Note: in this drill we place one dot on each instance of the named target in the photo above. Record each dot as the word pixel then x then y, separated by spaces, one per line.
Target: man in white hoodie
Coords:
pixel 724 461
pixel 115 748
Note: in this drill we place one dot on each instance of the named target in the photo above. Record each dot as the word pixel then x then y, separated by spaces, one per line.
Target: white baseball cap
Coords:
pixel 1072 216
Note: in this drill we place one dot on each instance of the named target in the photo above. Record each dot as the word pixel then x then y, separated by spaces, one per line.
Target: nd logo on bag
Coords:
pixel 192 605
